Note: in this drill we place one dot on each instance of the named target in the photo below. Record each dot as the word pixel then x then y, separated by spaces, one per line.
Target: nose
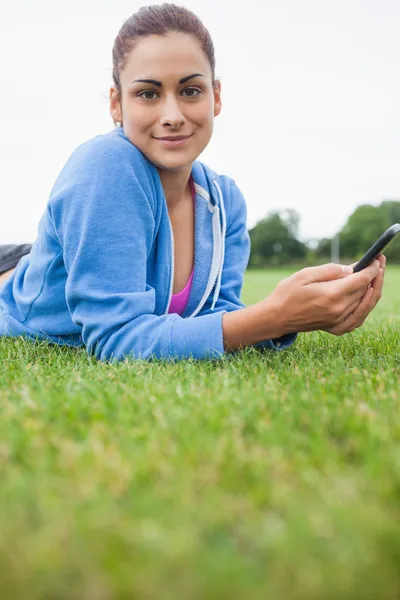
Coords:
pixel 171 113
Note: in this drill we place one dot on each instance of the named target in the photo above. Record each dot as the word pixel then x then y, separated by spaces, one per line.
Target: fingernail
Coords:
pixel 347 269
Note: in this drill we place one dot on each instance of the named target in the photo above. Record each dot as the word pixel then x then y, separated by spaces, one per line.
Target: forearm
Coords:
pixel 250 325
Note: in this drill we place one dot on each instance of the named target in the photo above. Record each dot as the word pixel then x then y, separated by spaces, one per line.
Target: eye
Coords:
pixel 191 89
pixel 147 94
pixel 142 94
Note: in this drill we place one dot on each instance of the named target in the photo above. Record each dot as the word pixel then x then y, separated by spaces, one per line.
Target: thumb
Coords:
pixel 326 272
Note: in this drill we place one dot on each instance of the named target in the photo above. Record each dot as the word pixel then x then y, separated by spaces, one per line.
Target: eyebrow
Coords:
pixel 159 84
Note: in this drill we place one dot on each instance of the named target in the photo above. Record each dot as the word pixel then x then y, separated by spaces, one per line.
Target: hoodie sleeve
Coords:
pixel 103 211
pixel 237 254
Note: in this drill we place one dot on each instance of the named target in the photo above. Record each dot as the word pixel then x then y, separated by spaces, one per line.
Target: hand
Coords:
pixel 368 302
pixel 320 297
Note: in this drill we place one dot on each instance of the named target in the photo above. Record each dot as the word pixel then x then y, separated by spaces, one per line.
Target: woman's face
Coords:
pixel 167 106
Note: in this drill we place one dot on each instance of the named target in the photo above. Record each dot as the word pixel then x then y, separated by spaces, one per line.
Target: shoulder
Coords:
pixel 110 150
pixel 105 161
pixel 107 170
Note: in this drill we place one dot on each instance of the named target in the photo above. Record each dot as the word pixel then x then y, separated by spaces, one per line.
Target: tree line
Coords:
pixel 274 239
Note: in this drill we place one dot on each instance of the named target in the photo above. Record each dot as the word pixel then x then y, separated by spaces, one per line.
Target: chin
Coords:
pixel 173 164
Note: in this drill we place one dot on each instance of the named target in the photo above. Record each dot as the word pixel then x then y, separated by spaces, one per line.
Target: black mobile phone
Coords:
pixel 380 245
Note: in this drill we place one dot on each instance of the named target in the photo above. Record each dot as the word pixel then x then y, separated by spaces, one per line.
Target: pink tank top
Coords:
pixel 180 300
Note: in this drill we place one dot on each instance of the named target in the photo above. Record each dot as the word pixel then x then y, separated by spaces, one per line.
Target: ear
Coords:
pixel 115 106
pixel 217 98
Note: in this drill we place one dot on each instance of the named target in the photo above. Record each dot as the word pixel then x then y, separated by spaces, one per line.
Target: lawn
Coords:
pixel 267 476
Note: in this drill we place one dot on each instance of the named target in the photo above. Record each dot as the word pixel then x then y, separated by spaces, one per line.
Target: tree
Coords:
pixel 274 240
pixel 363 228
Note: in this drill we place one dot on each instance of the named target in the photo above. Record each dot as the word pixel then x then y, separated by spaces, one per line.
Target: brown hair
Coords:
pixel 158 20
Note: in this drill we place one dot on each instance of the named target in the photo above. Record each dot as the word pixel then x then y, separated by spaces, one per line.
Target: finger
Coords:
pixel 350 309
pixel 327 272
pixel 354 304
pixel 378 280
pixel 359 280
pixel 358 316
pixel 357 313
pixel 353 299
pixel 376 292
pixel 366 305
pixel 350 317
pixel 377 286
pixel 382 260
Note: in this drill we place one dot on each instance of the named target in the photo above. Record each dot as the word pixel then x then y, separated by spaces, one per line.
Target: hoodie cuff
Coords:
pixel 197 337
pixel 277 344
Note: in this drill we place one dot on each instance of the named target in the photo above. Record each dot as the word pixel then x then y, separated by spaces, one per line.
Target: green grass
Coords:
pixel 267 476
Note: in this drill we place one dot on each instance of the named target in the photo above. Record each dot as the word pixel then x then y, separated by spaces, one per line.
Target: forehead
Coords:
pixel 161 57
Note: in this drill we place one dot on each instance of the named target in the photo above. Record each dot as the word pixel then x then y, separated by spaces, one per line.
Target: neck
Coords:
pixel 175 185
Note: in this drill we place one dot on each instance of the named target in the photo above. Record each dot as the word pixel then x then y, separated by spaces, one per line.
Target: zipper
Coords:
pixel 218 239
pixel 172 266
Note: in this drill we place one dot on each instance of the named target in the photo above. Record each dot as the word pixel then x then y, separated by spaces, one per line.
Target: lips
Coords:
pixel 174 138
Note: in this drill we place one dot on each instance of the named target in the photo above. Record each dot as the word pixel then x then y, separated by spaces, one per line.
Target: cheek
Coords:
pixel 138 117
pixel 204 114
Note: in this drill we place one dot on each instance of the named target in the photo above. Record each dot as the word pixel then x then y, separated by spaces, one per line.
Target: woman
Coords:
pixel 141 250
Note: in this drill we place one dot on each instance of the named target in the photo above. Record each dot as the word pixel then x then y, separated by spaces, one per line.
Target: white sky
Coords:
pixel 310 90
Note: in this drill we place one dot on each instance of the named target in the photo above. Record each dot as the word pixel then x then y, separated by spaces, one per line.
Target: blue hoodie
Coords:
pixel 100 272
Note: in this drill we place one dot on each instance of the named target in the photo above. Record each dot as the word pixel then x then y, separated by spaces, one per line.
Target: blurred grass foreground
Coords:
pixel 267 476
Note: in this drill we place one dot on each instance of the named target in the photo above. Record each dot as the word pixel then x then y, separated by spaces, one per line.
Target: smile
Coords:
pixel 171 143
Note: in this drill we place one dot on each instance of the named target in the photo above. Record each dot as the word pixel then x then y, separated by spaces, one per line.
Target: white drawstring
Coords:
pixel 223 219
